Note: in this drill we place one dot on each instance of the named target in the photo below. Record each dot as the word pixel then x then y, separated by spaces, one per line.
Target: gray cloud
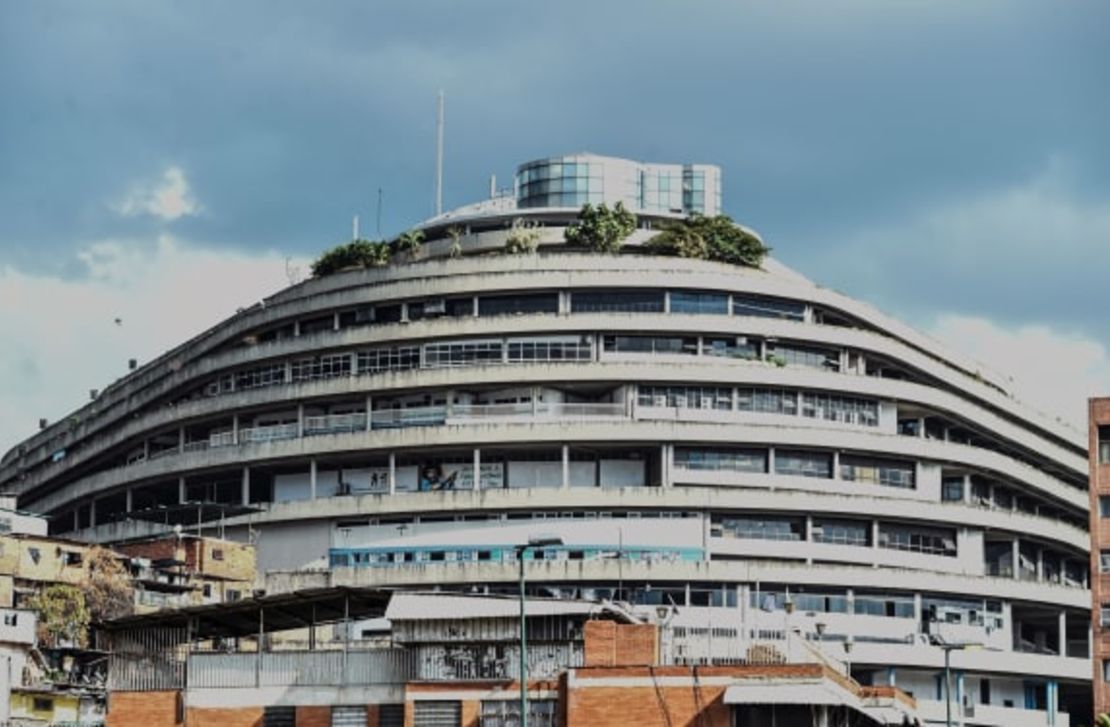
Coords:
pixel 850 133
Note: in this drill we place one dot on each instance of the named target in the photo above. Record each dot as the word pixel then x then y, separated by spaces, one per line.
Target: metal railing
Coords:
pixel 300 668
pixel 271 433
pixel 334 423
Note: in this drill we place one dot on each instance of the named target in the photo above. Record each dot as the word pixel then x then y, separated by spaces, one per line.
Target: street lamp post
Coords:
pixel 948 648
pixel 537 542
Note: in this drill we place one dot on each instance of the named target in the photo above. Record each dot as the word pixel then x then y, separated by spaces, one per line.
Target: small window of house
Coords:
pixel 217 554
pixel 35 554
pixel 43 705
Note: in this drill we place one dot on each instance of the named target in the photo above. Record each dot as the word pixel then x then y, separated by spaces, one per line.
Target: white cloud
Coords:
pixel 61 337
pixel 1053 371
pixel 169 198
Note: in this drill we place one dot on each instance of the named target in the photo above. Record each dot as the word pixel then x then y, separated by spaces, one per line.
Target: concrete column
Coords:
pixel 335 321
pixel 809 538
pixel 129 502
pixel 288 372
pixel 449 405
pixel 967 489
pixel 146 449
pixel 875 542
pixel 296 328
pixel 667 307
pixel 77 518
pixel 1063 633
pixel 369 411
pixel 958 707
pixel 666 453
pixel 1052 699
pixel 181 493
pixel 1040 564
pixel 181 439
pixel 917 610
pixel 891 677
pixel 246 485
pixel 771 463
pixel 566 467
pixel 354 363
pixel 921 427
pixel 1016 557
pixel 92 513
pixel 836 464
pixel 477 469
pixel 235 429
pixel 312 479
pixel 300 420
pixel 392 473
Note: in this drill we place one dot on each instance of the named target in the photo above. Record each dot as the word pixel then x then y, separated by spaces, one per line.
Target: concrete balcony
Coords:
pixel 989 715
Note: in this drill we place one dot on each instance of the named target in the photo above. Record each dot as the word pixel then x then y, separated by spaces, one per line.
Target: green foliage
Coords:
pixel 354 254
pixel 411 243
pixel 524 238
pixel 63 617
pixel 455 233
pixel 709 238
pixel 601 229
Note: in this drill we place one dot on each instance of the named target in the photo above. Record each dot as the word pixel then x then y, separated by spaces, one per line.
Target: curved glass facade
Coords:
pixel 573 181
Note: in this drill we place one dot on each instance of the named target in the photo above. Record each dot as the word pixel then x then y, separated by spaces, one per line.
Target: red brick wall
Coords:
pixel 313 716
pixel 648 707
pixel 372 715
pixel 1100 539
pixel 238 717
pixel 613 644
pixel 147 709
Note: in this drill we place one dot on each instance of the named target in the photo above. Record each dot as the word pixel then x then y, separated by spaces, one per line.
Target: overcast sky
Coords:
pixel 165 163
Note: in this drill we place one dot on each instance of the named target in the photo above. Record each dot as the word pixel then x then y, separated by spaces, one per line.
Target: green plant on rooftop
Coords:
pixel 107 586
pixel 523 239
pixel 601 229
pixel 709 238
pixel 455 233
pixel 353 254
pixel 411 243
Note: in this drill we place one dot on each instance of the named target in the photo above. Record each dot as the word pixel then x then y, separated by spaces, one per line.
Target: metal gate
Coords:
pixel 437 714
pixel 279 717
pixel 348 716
pixel 391 715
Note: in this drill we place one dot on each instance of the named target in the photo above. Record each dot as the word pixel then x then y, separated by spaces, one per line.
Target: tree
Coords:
pixel 601 229
pixel 353 254
pixel 709 238
pixel 63 617
pixel 107 586
pixel 455 233
pixel 523 239
pixel 411 243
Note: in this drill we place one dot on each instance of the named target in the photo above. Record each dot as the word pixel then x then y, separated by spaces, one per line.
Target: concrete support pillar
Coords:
pixel 836 464
pixel 1016 557
pixel 1052 701
pixel 475 308
pixel 77 518
pixel 92 513
pixel 666 453
pixel 312 479
pixel 129 502
pixel 477 469
pixel 235 429
pixel 771 464
pixel 917 610
pixel 296 328
pixel 1040 563
pixel 392 473
pixel 967 489
pixel 892 677
pixel 667 304
pixel 300 420
pixel 288 372
pixel 449 405
pixel 958 702
pixel 921 427
pixel 335 321
pixel 566 467
pixel 181 493
pixel 875 541
pixel 246 485
pixel 1063 633
pixel 146 449
pixel 181 439
pixel 809 537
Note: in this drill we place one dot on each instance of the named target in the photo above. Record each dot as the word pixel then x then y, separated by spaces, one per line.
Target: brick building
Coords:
pixel 453 662
pixel 1099 433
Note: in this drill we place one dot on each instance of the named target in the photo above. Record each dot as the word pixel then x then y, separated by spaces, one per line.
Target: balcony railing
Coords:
pixel 271 433
pixel 334 423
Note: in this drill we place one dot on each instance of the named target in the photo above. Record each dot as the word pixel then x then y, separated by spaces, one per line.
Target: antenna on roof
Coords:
pixel 439 154
pixel 379 231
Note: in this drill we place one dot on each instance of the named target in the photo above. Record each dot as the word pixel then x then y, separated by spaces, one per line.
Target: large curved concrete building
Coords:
pixel 758 451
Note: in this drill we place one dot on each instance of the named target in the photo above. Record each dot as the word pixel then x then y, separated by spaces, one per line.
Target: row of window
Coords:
pixel 930 540
pixel 799 463
pixel 384 556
